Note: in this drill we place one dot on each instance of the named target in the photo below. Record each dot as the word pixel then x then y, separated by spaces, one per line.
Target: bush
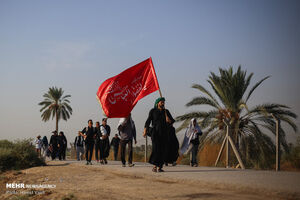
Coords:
pixel 17 155
pixel 293 156
pixel 6 144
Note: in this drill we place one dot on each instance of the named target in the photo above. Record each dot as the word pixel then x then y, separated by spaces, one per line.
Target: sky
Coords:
pixel 76 45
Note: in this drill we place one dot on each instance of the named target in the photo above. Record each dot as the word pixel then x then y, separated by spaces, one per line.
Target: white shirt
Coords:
pixel 103 131
pixel 38 143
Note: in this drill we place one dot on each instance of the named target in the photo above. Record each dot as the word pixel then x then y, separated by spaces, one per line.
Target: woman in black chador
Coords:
pixel 161 120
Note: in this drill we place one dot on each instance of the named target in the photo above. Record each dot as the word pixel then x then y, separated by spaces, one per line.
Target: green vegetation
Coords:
pixel 55 104
pixel 17 155
pixel 249 128
pixel 293 156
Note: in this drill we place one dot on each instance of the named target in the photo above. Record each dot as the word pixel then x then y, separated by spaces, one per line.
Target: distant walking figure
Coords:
pixel 79 146
pixel 62 142
pixel 98 153
pixel 45 146
pixel 104 140
pixel 127 131
pixel 191 141
pixel 115 142
pixel 54 144
pixel 38 145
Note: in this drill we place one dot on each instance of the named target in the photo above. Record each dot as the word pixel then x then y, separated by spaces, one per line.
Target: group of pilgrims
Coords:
pixel 55 148
pixel 158 126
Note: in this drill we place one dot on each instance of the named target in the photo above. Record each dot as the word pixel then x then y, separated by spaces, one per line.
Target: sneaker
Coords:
pixel 90 163
pixel 130 165
pixel 105 161
pixel 101 162
pixel 87 163
pixel 160 170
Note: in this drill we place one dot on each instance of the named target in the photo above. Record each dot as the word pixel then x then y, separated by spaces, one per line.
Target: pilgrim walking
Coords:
pixel 89 133
pixel 54 145
pixel 160 118
pixel 127 132
pixel 79 146
pixel 104 142
pixel 191 141
pixel 115 142
pixel 38 145
pixel 62 143
pixel 98 152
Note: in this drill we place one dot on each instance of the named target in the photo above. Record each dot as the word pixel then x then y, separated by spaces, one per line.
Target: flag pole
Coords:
pixel 158 87
pixel 153 70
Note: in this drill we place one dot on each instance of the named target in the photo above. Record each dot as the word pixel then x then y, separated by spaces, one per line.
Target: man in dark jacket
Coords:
pixel 54 144
pixel 115 143
pixel 98 153
pixel 89 133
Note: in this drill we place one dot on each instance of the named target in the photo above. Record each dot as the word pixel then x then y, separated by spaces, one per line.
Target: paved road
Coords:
pixel 243 180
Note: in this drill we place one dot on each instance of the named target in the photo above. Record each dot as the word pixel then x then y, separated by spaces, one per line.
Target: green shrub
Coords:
pixel 7 159
pixel 6 144
pixel 16 155
pixel 293 156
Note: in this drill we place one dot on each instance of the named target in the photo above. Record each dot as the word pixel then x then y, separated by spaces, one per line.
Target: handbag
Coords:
pixel 149 131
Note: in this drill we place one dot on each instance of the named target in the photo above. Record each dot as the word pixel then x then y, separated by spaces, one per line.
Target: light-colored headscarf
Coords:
pixel 190 134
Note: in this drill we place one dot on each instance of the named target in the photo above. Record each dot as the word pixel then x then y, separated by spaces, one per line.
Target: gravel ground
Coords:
pixel 75 180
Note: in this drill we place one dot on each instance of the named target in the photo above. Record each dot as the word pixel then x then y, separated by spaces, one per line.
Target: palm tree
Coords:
pixel 55 104
pixel 248 127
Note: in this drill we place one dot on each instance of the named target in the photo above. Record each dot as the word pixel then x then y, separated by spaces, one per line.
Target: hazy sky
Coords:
pixel 77 45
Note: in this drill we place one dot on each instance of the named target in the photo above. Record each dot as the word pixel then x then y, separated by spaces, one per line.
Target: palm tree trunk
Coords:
pixel 56 128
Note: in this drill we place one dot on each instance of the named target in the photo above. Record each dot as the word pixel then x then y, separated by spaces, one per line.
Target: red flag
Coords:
pixel 119 94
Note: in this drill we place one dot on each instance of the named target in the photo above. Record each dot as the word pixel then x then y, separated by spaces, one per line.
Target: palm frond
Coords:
pixel 191 115
pixel 203 90
pixel 255 86
pixel 201 101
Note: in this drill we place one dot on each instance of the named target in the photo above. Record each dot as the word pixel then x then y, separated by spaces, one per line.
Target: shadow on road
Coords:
pixel 217 170
pixel 57 164
pixel 198 195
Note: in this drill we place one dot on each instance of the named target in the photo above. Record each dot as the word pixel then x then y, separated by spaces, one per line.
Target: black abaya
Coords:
pixel 159 135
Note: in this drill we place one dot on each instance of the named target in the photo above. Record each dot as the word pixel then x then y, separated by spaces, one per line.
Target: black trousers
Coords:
pixel 53 153
pixel 62 153
pixel 123 149
pixel 116 151
pixel 194 154
pixel 98 151
pixel 89 151
pixel 102 150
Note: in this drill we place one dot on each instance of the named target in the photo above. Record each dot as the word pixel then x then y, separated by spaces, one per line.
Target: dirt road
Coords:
pixel 74 180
